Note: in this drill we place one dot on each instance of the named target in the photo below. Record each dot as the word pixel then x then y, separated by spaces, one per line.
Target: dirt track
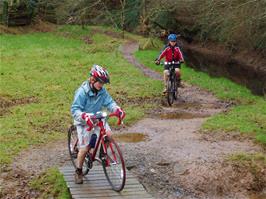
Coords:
pixel 174 160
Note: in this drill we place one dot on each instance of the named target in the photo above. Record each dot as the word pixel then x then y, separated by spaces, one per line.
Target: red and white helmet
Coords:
pixel 100 74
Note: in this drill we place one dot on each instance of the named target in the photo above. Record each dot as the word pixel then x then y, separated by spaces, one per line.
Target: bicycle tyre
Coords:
pixel 170 94
pixel 175 89
pixel 73 152
pixel 114 166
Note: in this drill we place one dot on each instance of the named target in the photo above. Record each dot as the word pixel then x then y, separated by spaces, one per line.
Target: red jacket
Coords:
pixel 171 54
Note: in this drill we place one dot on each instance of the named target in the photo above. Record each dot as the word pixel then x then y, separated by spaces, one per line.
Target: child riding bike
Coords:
pixel 172 53
pixel 90 98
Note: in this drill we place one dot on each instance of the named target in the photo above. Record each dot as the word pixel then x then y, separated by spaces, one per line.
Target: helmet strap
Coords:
pixel 93 89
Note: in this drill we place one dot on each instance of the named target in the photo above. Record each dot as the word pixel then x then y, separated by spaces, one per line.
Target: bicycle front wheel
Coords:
pixel 170 93
pixel 114 165
pixel 176 89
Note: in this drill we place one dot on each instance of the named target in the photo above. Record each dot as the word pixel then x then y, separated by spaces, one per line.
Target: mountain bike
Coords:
pixel 109 154
pixel 172 83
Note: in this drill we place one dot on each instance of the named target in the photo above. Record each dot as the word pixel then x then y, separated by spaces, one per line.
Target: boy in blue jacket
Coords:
pixel 90 98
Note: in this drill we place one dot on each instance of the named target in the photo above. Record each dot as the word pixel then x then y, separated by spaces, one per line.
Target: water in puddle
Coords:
pixel 130 137
pixel 178 193
pixel 193 105
pixel 181 115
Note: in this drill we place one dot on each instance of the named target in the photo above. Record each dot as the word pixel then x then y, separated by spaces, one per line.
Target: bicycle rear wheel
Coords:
pixel 73 149
pixel 170 93
pixel 113 165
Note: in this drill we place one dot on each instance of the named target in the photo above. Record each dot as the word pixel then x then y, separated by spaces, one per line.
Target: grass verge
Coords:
pixel 255 164
pixel 51 185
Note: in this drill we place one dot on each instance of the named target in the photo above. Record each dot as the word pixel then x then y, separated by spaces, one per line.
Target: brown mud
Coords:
pixel 6 102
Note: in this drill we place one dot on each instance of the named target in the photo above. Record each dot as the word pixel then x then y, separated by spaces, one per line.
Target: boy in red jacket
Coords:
pixel 171 52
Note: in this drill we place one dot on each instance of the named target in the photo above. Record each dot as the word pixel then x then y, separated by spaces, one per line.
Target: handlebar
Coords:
pixel 119 120
pixel 169 63
pixel 102 115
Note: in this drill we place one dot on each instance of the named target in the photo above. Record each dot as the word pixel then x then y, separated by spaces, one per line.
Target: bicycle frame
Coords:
pixel 172 75
pixel 100 141
pixel 171 93
pixel 109 156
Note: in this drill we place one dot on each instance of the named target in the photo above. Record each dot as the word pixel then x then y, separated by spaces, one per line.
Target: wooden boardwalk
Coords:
pixel 95 186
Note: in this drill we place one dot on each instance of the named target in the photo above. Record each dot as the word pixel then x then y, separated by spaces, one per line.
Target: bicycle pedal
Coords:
pixel 89 163
pixel 74 155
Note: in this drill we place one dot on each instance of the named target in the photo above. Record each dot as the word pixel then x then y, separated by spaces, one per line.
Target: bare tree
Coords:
pixel 122 22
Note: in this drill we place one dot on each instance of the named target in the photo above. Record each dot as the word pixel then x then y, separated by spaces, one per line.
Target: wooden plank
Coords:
pixel 69 168
pixel 95 176
pixel 114 197
pixel 101 188
pixel 102 192
pixel 111 194
pixel 91 173
pixel 105 186
pixel 102 181
pixel 96 186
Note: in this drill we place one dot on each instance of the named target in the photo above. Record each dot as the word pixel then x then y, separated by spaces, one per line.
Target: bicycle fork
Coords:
pixel 109 159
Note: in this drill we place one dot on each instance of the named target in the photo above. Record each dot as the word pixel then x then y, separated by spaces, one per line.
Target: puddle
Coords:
pixel 181 115
pixel 194 105
pixel 6 102
pixel 178 192
pixel 130 137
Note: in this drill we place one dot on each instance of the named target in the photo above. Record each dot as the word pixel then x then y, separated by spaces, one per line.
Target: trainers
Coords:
pixel 164 90
pixel 78 176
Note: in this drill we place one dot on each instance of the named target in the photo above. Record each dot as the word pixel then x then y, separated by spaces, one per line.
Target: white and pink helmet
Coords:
pixel 100 74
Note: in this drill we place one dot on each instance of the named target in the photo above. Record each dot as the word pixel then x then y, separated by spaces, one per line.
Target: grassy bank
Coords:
pixel 39 74
pixel 247 117
pixel 51 185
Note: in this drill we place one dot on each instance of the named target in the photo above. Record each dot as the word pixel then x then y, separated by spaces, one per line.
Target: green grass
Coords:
pixel 50 67
pixel 51 185
pixel 248 157
pixel 247 117
pixel 255 162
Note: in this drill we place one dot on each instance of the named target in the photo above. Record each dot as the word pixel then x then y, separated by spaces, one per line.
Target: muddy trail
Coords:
pixel 173 159
pixel 165 150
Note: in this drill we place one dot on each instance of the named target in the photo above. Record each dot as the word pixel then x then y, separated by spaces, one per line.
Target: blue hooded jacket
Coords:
pixel 85 100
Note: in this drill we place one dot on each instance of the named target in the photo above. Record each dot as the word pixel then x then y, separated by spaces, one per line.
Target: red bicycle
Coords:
pixel 109 156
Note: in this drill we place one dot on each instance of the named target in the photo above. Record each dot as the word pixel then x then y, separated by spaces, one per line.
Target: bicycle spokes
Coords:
pixel 114 167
